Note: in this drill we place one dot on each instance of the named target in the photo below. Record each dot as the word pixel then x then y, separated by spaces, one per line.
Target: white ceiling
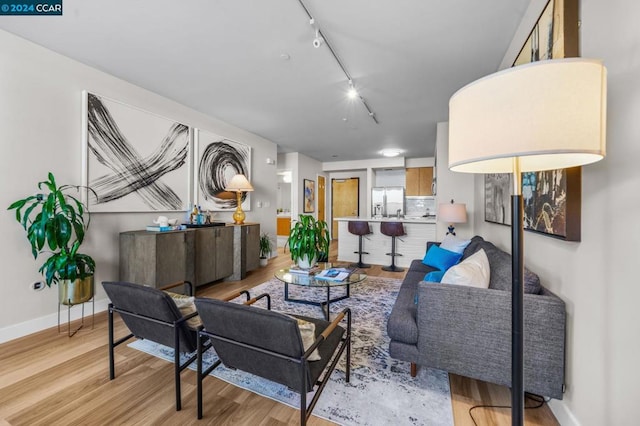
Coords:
pixel 223 58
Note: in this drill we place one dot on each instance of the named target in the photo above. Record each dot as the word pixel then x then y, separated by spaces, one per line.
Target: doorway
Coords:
pixel 321 198
pixel 345 197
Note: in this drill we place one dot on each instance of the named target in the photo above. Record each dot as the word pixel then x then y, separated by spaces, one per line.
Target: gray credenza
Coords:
pixel 201 255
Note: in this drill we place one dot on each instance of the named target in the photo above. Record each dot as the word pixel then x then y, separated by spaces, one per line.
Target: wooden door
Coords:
pixel 224 251
pixel 412 181
pixel 345 195
pixel 321 198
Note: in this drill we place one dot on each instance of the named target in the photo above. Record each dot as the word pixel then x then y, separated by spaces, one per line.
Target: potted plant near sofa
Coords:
pixel 308 241
pixel 265 248
pixel 56 223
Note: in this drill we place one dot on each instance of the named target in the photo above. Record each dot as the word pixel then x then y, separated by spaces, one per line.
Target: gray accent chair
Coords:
pixel 467 330
pixel 268 344
pixel 152 314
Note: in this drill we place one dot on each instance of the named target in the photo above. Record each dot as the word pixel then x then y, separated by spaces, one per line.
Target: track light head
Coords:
pixel 318 41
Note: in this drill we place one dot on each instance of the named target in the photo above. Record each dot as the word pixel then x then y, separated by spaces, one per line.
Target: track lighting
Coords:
pixel 321 39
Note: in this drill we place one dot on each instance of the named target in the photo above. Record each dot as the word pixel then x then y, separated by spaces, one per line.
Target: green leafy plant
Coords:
pixel 309 238
pixel 55 223
pixel 265 245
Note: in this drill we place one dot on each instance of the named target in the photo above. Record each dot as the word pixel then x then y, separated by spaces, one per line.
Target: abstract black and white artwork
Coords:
pixel 218 160
pixel 134 160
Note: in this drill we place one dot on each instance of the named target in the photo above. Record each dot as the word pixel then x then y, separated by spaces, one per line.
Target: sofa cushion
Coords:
pixel 401 325
pixel 500 266
pixel 436 276
pixel 474 271
pixel 454 244
pixel 440 258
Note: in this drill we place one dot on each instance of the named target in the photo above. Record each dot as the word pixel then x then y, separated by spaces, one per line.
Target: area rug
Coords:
pixel 381 390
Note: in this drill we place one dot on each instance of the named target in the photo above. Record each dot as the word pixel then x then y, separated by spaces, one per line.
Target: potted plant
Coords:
pixel 55 224
pixel 308 241
pixel 265 248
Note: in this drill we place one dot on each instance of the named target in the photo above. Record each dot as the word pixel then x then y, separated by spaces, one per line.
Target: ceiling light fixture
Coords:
pixel 321 39
pixel 391 152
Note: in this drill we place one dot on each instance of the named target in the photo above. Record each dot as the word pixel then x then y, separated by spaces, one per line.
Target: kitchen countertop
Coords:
pixel 431 219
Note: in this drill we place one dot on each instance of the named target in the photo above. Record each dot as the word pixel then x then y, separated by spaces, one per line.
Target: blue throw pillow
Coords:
pixel 434 276
pixel 440 258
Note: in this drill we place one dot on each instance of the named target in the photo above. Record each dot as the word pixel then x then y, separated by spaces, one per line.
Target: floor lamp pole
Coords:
pixel 517 300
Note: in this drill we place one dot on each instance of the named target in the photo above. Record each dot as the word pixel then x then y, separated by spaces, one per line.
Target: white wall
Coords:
pixel 598 277
pixel 453 186
pixel 40 131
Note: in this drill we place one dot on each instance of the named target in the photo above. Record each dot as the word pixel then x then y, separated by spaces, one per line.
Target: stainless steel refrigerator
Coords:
pixel 387 201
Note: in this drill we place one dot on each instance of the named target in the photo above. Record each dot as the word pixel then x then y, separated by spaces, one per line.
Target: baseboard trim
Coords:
pixel 562 413
pixel 22 329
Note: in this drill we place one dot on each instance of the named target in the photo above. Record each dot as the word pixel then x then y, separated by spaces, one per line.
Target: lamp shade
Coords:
pixel 547 114
pixel 452 212
pixel 239 183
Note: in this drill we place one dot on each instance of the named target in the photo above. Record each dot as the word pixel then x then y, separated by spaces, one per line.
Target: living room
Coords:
pixel 41 122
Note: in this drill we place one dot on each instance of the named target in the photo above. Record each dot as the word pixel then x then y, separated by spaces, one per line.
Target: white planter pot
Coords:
pixel 304 263
pixel 264 261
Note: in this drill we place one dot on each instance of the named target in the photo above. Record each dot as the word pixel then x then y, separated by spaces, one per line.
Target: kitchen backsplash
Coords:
pixel 420 206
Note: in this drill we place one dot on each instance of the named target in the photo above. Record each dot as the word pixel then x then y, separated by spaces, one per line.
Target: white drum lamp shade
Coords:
pixel 549 114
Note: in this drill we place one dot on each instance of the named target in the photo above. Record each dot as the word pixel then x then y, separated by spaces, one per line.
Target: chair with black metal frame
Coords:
pixel 152 314
pixel 269 344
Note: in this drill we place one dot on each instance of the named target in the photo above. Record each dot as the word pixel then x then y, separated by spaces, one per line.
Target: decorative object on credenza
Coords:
pixel 56 223
pixel 541 116
pixel 134 160
pixel 309 196
pixel 308 241
pixel 452 213
pixel 218 160
pixel 265 248
pixel 239 184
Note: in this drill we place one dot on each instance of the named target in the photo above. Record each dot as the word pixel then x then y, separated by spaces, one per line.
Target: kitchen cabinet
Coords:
pixel 418 181
pixel 284 226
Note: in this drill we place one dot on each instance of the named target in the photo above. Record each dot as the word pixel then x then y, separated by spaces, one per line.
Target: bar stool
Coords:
pixel 393 230
pixel 359 228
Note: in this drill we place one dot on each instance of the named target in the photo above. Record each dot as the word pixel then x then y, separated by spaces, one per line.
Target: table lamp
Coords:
pixel 452 213
pixel 540 116
pixel 239 184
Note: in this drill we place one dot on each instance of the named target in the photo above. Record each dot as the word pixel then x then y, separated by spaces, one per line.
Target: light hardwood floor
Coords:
pixel 48 378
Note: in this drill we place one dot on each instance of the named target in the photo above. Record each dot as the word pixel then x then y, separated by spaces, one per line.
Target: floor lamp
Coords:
pixel 541 116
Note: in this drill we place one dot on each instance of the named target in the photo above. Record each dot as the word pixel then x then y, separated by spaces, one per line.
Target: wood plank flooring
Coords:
pixel 50 379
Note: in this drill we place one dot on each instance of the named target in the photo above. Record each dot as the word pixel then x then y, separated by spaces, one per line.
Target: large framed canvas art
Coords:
pixel 218 160
pixel 551 201
pixel 134 160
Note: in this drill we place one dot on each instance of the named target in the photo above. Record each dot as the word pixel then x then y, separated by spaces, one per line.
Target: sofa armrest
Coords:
pixel 467 331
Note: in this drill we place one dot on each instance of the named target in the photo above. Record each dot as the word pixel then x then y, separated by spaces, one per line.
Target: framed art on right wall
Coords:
pixel 552 199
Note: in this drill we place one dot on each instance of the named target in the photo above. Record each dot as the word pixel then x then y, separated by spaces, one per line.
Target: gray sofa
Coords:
pixel 467 330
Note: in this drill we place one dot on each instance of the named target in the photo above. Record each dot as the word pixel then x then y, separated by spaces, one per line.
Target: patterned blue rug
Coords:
pixel 381 390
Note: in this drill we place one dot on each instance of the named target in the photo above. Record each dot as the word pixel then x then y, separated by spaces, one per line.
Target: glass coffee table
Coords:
pixel 304 280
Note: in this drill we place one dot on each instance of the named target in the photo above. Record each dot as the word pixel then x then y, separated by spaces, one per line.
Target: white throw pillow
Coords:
pixel 473 271
pixel 454 244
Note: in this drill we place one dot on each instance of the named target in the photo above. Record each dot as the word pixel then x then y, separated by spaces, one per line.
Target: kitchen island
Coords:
pixel 411 246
